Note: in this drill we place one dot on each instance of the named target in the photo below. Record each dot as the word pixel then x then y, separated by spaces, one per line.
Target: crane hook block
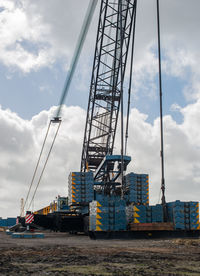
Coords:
pixel 56 120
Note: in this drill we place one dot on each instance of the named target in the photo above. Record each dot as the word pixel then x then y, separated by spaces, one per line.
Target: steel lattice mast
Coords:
pixel 111 52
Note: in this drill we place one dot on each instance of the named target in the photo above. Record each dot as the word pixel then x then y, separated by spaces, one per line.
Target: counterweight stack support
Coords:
pixel 111 52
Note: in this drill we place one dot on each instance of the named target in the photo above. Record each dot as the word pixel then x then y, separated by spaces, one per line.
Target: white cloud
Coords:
pixel 191 115
pixel 179 42
pixel 182 162
pixel 40 32
pixel 175 107
pixel 18 33
pixel 21 143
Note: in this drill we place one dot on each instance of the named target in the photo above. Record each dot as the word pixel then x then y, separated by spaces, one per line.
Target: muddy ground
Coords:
pixel 64 254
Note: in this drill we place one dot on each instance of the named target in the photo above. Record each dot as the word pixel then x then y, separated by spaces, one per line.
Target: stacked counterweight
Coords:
pixel 137 188
pixel 144 213
pixel 184 215
pixel 133 212
pixel 81 188
pixel 107 215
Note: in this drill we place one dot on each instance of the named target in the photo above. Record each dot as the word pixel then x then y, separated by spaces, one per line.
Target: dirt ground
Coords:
pixel 65 254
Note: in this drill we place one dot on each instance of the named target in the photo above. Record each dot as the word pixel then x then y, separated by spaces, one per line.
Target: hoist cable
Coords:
pixel 161 109
pixel 34 174
pixel 45 164
pixel 79 46
pixel 130 82
pixel 159 196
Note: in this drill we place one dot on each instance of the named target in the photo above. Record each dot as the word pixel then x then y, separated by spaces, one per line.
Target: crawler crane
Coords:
pixel 103 200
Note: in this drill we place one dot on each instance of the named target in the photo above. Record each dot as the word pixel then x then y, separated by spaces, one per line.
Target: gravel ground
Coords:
pixel 64 254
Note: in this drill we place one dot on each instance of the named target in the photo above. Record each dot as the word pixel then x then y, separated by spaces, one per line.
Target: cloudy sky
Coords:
pixel 37 42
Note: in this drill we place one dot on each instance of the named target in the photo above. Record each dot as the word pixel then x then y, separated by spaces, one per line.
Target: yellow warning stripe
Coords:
pixel 99 211
pixel 98 228
pixel 136 215
pixel 135 209
pixel 98 216
pixel 98 222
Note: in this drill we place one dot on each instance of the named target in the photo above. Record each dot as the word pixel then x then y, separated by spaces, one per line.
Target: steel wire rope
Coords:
pixel 130 82
pixel 159 196
pixel 84 30
pixel 79 46
pixel 34 174
pixel 45 164
pixel 161 113
pixel 122 97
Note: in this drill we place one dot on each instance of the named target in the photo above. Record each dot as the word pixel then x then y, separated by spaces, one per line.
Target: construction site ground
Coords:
pixel 65 254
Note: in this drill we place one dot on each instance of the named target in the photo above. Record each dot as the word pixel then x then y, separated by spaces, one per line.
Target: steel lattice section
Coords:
pixel 114 32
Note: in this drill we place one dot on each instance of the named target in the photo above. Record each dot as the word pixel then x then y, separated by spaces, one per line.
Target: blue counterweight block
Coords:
pixel 179 225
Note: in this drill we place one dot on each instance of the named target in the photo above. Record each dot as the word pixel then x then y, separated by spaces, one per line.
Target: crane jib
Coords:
pixel 115 25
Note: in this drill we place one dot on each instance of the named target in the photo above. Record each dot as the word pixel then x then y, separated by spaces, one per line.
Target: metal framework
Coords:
pixel 112 44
